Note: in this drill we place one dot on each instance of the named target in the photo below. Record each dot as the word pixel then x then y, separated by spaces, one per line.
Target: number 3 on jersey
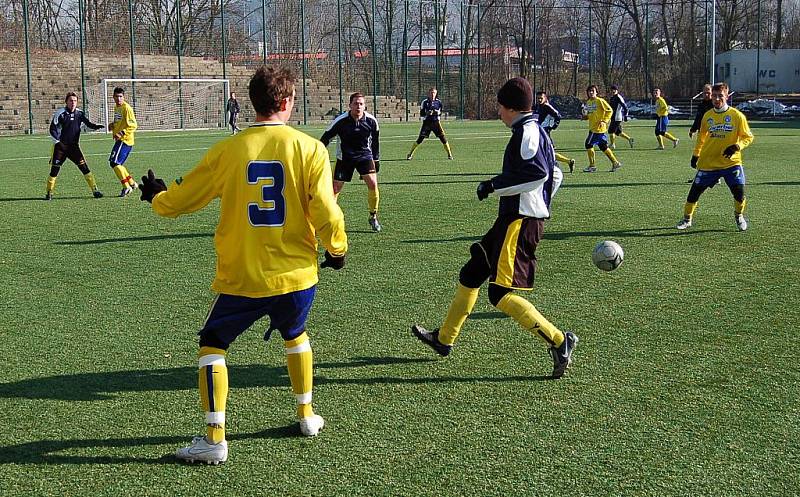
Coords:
pixel 268 174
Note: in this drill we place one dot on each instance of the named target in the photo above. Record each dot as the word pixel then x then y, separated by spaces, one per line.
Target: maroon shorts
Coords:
pixel 510 247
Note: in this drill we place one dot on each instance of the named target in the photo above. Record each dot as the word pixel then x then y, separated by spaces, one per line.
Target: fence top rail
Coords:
pixel 159 80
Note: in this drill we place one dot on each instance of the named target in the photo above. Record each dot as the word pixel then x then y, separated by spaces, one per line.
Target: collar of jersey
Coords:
pixel 265 123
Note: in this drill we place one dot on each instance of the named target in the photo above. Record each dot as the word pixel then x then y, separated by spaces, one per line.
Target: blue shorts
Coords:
pixel 661 124
pixel 119 154
pixel 232 315
pixel 598 139
pixel 733 176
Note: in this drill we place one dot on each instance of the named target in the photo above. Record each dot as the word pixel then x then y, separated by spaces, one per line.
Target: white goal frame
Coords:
pixel 106 86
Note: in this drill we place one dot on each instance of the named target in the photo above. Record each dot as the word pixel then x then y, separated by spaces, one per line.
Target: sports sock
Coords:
pixel 51 184
pixel 413 147
pixel 660 141
pixel 373 199
pixel 689 208
pixel 447 148
pixel 123 175
pixel 670 137
pixel 562 158
pixel 738 207
pixel 524 313
pixel 625 135
pixel 213 381
pixel 299 363
pixel 610 154
pixel 590 153
pixel 89 177
pixel 460 307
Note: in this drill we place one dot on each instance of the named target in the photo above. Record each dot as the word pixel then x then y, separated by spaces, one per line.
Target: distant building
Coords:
pixel 778 70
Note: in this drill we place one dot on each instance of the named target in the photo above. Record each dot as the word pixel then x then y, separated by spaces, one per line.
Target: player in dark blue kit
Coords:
pixel 549 118
pixel 506 255
pixel 431 110
pixel 619 114
pixel 358 150
pixel 65 129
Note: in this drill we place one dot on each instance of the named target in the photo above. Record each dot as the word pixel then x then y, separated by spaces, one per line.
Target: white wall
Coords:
pixel 779 70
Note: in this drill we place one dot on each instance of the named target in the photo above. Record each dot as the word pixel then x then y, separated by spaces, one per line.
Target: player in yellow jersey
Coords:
pixel 598 112
pixel 662 120
pixel 724 133
pixel 276 195
pixel 123 127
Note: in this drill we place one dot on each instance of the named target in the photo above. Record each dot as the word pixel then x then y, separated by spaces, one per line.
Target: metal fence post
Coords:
pixel 461 65
pixel 480 96
pixel 339 51
pixel 264 31
pixel 405 55
pixel 304 63
pixel 179 49
pixel 133 61
pixel 28 65
pixel 224 45
pixel 374 65
pixel 80 43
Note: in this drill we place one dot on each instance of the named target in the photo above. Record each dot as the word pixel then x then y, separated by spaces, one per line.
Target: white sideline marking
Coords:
pixel 138 152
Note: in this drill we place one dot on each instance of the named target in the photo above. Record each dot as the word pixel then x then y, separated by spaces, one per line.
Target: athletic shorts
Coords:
pixel 510 247
pixel 615 128
pixel 232 315
pixel 595 139
pixel 120 152
pixel 661 124
pixel 62 152
pixel 733 176
pixel 344 168
pixel 427 127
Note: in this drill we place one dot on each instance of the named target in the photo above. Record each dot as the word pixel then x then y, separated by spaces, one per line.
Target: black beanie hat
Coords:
pixel 516 94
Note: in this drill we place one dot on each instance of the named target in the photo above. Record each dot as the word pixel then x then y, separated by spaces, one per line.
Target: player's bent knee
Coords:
pixel 602 146
pixel 496 293
pixel 738 192
pixel 54 171
pixel 694 193
pixel 476 270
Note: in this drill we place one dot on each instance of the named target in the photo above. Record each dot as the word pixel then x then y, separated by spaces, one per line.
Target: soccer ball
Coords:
pixel 607 255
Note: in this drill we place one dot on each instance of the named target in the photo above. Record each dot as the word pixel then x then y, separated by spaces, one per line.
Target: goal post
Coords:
pixel 163 104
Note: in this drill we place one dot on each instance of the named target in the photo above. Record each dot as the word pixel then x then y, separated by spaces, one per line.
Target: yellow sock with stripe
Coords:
pixel 213 381
pixel 562 158
pixel 610 154
pixel 738 207
pixel 51 184
pixel 590 153
pixel 524 313
pixel 299 363
pixel 89 177
pixel 660 141
pixel 460 307
pixel 413 147
pixel 123 175
pixel 373 199
pixel 447 149
pixel 688 209
pixel 670 137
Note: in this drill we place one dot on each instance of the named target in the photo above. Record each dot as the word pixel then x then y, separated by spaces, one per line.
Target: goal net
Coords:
pixel 163 104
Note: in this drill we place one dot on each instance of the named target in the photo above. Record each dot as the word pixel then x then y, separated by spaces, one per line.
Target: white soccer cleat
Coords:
pixel 310 426
pixel 741 222
pixel 126 191
pixel 616 166
pixel 202 451
pixel 675 143
pixel 590 169
pixel 684 224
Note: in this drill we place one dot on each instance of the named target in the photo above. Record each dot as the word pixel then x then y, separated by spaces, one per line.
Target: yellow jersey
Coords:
pixel 662 109
pixel 599 114
pixel 276 194
pixel 125 122
pixel 718 131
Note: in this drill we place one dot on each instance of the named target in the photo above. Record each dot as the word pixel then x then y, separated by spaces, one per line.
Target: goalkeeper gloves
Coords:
pixel 732 149
pixel 484 189
pixel 151 186
pixel 693 163
pixel 335 262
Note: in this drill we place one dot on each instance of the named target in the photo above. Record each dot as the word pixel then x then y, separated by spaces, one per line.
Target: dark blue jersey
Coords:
pixel 430 109
pixel 65 127
pixel 233 106
pixel 705 106
pixel 358 140
pixel 619 109
pixel 526 184
pixel 547 116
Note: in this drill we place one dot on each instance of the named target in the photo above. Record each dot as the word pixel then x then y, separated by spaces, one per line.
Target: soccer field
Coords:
pixel 686 380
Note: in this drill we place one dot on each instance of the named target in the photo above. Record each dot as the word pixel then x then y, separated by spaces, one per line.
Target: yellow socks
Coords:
pixel 562 158
pixel 613 138
pixel 660 141
pixel 625 135
pixel 670 137
pixel 124 176
pixel 462 305
pixel 213 382
pixel 447 149
pixel 299 363
pixel 373 199
pixel 51 184
pixel 738 207
pixel 610 154
pixel 89 177
pixel 413 147
pixel 524 313
pixel 690 207
pixel 590 153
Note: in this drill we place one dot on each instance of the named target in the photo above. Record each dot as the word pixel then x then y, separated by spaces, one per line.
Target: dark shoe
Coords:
pixel 431 339
pixel 374 224
pixel 562 356
pixel 571 165
pixel 97 194
pixel 48 196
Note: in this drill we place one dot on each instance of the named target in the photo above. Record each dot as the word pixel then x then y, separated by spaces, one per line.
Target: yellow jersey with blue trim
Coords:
pixel 719 130
pixel 598 111
pixel 662 109
pixel 276 195
pixel 124 122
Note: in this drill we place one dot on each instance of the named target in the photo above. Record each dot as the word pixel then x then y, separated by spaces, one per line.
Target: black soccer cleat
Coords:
pixel 48 196
pixel 431 339
pixel 562 356
pixel 97 194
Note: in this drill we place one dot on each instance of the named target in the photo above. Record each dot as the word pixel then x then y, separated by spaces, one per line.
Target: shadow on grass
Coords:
pixel 444 240
pixel 48 451
pixel 452 174
pixel 564 235
pixel 778 183
pixel 27 199
pixel 151 238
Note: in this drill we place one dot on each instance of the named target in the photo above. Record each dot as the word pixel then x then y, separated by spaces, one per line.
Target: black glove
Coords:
pixel 693 163
pixel 732 149
pixel 377 165
pixel 151 186
pixel 484 189
pixel 333 261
